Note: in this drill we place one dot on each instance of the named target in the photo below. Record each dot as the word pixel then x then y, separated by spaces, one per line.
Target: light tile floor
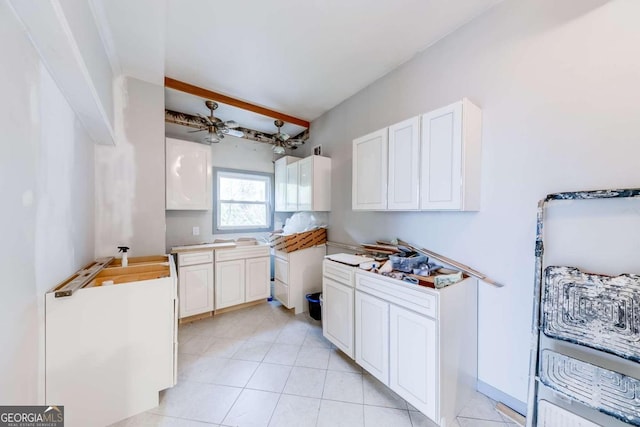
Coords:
pixel 263 366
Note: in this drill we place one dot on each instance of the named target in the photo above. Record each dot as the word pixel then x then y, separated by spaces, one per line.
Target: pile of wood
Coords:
pixel 297 241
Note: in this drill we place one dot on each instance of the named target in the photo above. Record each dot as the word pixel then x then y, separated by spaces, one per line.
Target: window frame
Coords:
pixel 216 202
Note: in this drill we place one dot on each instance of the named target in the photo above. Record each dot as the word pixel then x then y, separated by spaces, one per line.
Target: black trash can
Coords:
pixel 315 311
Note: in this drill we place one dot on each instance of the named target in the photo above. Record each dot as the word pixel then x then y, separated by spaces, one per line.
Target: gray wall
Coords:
pixel 47 215
pixel 558 86
pixel 130 183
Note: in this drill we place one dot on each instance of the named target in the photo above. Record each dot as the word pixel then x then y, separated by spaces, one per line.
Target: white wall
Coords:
pixel 46 182
pixel 232 153
pixel 130 175
pixel 558 86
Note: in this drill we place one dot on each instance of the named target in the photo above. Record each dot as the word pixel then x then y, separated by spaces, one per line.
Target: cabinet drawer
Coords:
pixel 338 272
pixel 281 270
pixel 396 292
pixel 242 253
pixel 191 258
pixel 281 291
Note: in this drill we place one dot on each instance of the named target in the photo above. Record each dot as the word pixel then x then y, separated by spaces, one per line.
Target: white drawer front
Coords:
pixel 389 290
pixel 281 292
pixel 242 253
pixel 191 258
pixel 339 272
pixel 281 270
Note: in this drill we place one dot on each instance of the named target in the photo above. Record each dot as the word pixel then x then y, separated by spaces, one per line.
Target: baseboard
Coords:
pixel 499 396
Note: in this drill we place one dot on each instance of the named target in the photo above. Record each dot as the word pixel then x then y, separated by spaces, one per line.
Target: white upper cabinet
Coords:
pixel 188 175
pixel 369 185
pixel 430 162
pixel 450 160
pixel 291 198
pixel 303 184
pixel 404 164
pixel 280 172
pixel 314 184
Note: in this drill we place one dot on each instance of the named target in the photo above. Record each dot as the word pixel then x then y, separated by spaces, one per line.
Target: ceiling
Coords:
pixel 299 58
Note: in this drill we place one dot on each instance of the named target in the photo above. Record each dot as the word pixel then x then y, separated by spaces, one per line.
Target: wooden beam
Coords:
pixel 224 99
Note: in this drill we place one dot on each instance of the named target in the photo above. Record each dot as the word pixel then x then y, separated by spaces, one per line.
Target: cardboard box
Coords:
pixel 295 242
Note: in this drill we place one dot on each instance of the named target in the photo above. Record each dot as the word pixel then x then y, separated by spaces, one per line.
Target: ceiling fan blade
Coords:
pixel 236 133
pixel 205 119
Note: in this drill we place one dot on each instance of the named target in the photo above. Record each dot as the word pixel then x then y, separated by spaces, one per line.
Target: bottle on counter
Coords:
pixel 124 250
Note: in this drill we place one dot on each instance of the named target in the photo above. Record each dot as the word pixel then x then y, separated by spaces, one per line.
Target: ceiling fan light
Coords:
pixel 212 139
pixel 278 149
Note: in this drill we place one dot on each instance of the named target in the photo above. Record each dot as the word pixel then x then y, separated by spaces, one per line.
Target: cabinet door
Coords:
pixel 404 161
pixel 372 335
pixel 280 177
pixel 338 315
pixel 229 283
pixel 257 278
pixel 281 268
pixel 292 187
pixel 369 181
pixel 196 289
pixel 281 291
pixel 188 175
pixel 441 147
pixel 305 184
pixel 413 349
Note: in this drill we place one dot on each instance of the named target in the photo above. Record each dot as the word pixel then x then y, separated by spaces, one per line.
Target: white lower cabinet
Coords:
pixel 258 278
pixel 412 358
pixel 337 316
pixel 298 273
pixel 195 283
pixel 421 342
pixel 196 289
pixel 372 335
pixel 229 283
pixel 338 309
pixel 242 275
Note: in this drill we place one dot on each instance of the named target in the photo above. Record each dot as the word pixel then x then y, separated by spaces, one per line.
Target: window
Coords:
pixel 242 201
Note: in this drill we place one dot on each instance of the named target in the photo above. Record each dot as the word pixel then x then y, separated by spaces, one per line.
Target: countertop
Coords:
pixel 212 246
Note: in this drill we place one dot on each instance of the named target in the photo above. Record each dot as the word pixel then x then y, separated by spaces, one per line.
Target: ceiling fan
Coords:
pixel 283 140
pixel 215 127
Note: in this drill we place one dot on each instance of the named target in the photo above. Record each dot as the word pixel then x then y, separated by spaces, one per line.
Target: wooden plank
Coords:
pixel 141 260
pixel 511 414
pixel 239 306
pixel 136 269
pixel 224 99
pixel 134 277
pixel 195 317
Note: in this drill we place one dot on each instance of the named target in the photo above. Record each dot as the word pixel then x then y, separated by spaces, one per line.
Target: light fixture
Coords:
pixel 212 138
pixel 278 149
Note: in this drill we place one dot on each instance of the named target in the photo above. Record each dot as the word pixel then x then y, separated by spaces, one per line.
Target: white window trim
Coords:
pixel 247 174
